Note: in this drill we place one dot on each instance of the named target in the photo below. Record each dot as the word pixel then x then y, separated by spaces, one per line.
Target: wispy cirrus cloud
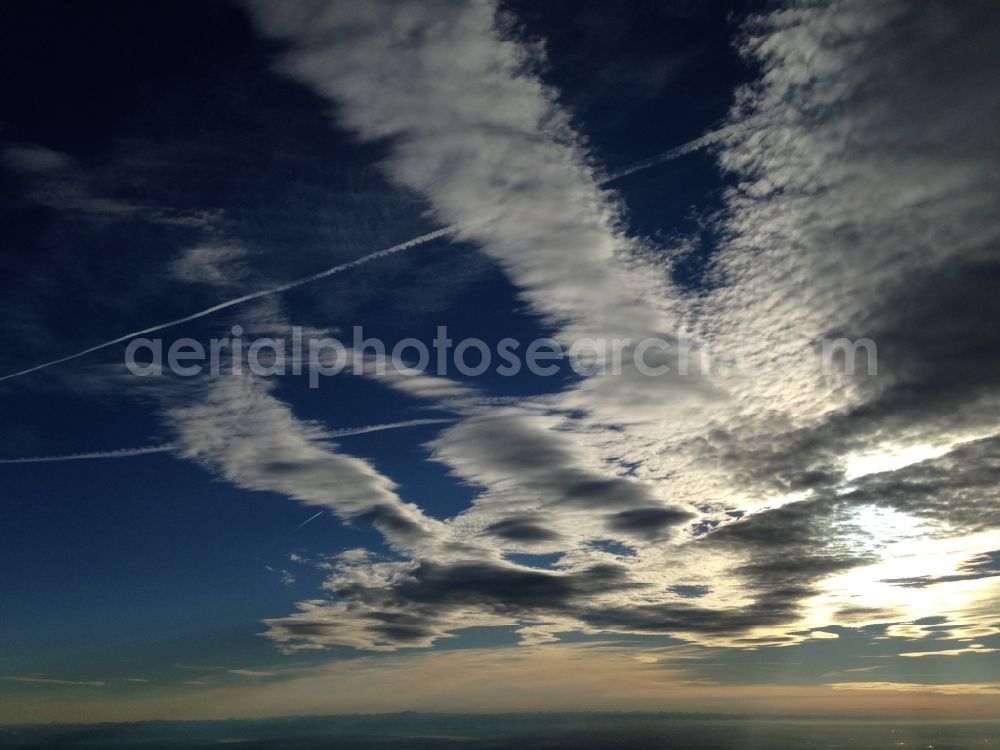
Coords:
pixel 39 680
pixel 33 158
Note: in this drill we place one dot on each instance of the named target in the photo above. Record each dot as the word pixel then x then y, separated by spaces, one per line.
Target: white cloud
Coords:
pixel 850 200
pixel 237 428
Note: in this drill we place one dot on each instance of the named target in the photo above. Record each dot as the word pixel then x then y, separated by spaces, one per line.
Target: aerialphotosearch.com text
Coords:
pixel 321 356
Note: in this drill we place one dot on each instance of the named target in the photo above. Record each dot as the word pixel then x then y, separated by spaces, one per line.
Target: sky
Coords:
pixel 725 188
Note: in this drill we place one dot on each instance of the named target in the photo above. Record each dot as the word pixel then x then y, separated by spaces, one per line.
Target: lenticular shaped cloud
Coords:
pixel 239 430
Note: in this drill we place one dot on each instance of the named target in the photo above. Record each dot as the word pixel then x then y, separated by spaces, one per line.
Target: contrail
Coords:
pixel 652 161
pixel 122 453
pixel 421 240
pixel 167 447
pixel 311 518
pixel 677 151
pixel 287 534
pixel 386 426
pixel 707 139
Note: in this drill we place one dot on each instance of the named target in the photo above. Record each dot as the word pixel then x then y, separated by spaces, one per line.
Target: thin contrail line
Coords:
pixel 287 534
pixel 652 161
pixel 121 453
pixel 386 426
pixel 311 518
pixel 677 151
pixel 422 239
pixel 167 447
pixel 698 143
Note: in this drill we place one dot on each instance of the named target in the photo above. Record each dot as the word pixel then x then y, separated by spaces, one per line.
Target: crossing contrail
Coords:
pixel 168 447
pixel 677 151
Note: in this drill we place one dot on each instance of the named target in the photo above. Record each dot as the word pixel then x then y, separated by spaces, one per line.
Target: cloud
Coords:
pixel 243 299
pixel 56 180
pixel 986 565
pixel 975 648
pixel 34 680
pixel 523 529
pixel 33 158
pixel 234 427
pixel 857 209
pixel 716 508
pixel 250 673
pixel 957 491
pixel 650 522
pixel 213 265
pixel 383 606
pixel 554 677
pixel 967 688
pixel 168 448
pixel 860 210
pixel 482 138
